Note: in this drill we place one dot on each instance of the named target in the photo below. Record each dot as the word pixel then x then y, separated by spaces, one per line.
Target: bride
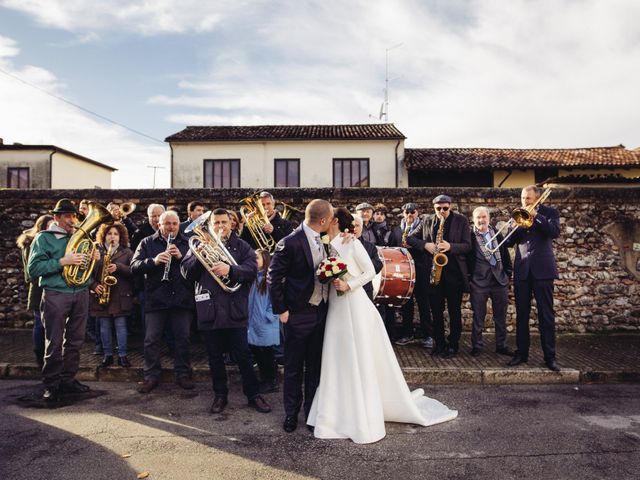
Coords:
pixel 361 384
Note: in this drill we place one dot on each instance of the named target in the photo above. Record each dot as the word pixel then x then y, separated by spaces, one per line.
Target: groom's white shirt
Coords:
pixel 320 291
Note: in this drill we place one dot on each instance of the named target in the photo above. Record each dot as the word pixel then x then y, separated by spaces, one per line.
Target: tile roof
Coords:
pixel 376 131
pixel 53 148
pixel 498 158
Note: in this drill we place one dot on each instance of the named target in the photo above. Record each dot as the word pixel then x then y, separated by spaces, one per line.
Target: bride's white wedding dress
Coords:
pixel 361 384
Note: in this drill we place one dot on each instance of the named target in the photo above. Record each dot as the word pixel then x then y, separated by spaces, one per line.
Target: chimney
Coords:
pixel 1 141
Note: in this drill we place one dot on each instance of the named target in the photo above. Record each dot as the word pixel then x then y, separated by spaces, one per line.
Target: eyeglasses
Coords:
pixel 442 209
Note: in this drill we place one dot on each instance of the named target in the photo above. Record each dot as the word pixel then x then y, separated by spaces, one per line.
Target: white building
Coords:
pixel 367 155
pixel 48 166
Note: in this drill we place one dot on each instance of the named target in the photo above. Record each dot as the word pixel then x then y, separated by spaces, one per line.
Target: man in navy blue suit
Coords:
pixel 301 301
pixel 534 272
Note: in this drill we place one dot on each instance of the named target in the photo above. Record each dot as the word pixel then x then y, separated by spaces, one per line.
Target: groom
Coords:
pixel 301 301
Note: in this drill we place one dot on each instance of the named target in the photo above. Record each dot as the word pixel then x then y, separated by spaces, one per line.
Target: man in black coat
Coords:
pixel 277 228
pixel 489 273
pixel 534 273
pixel 372 250
pixel 149 226
pixel 168 299
pixel 222 314
pixel 411 224
pixel 301 301
pixel 454 281
pixel 195 208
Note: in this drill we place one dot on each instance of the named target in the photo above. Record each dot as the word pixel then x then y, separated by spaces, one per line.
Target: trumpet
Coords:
pixel 255 218
pixel 208 248
pixel 81 242
pixel 520 217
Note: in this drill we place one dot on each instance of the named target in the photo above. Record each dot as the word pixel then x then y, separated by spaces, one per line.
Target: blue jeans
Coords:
pixel 106 326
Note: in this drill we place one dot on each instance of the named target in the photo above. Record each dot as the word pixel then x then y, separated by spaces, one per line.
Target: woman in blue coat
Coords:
pixel 264 326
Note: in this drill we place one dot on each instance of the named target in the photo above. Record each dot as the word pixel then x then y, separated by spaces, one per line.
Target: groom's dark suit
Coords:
pixel 291 279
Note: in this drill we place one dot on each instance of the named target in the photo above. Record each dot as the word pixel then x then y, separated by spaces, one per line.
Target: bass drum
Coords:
pixel 393 285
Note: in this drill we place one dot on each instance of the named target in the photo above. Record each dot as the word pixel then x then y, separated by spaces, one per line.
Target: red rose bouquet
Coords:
pixel 330 269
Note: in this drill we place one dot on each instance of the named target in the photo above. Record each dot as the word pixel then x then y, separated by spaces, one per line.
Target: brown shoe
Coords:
pixel 185 382
pixel 260 404
pixel 148 385
pixel 218 405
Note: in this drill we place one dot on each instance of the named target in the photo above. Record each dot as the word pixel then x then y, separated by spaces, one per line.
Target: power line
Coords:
pixel 102 117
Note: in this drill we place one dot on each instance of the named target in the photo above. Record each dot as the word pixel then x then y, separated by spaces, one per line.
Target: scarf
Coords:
pixel 483 248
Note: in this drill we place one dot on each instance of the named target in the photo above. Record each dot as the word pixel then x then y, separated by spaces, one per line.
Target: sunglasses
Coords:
pixel 409 211
pixel 442 209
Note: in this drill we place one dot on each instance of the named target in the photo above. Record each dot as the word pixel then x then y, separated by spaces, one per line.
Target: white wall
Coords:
pixel 257 161
pixel 71 172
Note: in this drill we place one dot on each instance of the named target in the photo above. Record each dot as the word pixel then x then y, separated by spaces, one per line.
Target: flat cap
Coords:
pixel 364 206
pixel 442 199
pixel 410 206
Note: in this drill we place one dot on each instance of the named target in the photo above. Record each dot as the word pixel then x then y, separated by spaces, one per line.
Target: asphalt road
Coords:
pixel 502 432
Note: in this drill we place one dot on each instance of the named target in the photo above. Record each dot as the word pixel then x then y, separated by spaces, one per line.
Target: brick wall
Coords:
pixel 594 293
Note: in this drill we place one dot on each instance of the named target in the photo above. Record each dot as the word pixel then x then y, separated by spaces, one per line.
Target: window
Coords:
pixel 350 172
pixel 18 177
pixel 222 173
pixel 287 172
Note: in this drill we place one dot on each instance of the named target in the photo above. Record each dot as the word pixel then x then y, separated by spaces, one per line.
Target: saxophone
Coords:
pixel 405 234
pixel 106 280
pixel 439 258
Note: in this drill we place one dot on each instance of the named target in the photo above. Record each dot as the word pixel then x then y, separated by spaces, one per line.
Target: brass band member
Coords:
pixel 165 301
pixel 35 291
pixel 64 308
pixel 365 211
pixel 150 226
pixel 490 273
pixel 222 315
pixel 195 208
pixel 534 272
pixel 447 233
pixel 277 227
pixel 411 224
pixel 116 212
pixel 117 300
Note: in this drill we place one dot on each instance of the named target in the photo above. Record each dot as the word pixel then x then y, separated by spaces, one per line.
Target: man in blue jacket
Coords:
pixel 222 314
pixel 168 299
pixel 64 308
pixel 534 272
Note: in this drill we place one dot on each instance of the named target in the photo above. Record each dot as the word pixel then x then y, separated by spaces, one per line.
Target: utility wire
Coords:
pixel 102 117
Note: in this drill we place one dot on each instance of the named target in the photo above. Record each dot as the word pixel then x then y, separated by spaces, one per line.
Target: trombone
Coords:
pixel 520 217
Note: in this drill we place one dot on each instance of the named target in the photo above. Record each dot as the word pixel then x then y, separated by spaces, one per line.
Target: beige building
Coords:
pixel 48 166
pixel 288 156
pixel 515 168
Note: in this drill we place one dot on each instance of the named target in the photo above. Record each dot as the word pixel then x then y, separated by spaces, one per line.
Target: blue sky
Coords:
pixel 490 73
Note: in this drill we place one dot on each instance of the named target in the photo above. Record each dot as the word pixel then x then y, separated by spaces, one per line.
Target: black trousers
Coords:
pixel 303 337
pixel 421 295
pixel 542 290
pixel 451 296
pixel 266 360
pixel 233 340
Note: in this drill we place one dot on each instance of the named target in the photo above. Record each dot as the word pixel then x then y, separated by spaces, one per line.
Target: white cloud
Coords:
pixel 141 17
pixel 31 116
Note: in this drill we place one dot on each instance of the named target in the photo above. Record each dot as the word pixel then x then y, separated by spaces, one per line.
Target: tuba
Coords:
pixel 81 242
pixel 209 249
pixel 106 280
pixel 126 209
pixel 289 211
pixel 255 218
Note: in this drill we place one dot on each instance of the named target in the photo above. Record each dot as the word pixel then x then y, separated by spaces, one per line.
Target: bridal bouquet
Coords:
pixel 330 269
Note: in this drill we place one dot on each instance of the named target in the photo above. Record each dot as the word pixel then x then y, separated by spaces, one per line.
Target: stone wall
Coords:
pixel 594 293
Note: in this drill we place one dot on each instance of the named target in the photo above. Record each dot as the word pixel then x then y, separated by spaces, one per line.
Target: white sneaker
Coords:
pixel 427 342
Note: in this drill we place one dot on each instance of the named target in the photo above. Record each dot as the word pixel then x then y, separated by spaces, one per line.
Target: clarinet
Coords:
pixel 167 266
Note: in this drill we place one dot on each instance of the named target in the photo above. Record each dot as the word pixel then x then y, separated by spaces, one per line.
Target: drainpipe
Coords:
pixel 51 167
pixel 397 145
pixel 171 167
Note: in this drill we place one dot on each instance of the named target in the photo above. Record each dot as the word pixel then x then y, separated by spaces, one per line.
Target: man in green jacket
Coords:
pixel 64 308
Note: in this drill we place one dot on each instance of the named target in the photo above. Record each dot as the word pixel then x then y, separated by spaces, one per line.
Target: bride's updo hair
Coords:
pixel 345 219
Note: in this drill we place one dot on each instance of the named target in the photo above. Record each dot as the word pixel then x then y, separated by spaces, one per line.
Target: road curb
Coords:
pixel 413 375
